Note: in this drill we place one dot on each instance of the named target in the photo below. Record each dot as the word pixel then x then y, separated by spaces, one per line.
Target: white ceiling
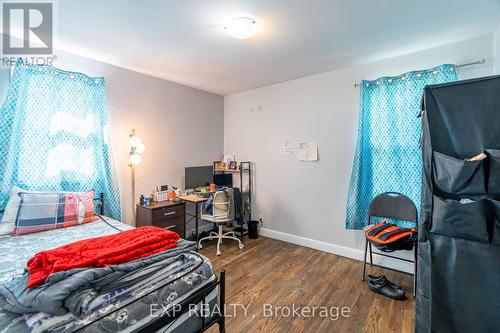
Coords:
pixel 183 40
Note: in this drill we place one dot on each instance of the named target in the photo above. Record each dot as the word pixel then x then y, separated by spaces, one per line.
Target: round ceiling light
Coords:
pixel 241 27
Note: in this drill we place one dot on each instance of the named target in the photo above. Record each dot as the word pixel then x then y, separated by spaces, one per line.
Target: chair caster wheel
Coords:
pixel 241 247
pixel 218 253
pixel 200 247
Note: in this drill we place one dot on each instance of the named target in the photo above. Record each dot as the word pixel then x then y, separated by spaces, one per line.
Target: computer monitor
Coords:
pixel 198 176
pixel 225 179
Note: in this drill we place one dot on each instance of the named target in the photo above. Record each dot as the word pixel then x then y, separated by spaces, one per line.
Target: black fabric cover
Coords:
pixel 239 214
pixel 459 242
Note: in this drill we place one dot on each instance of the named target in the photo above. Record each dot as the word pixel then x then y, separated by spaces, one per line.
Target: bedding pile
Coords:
pixel 72 273
pixel 73 290
pixel 100 252
pixel 114 290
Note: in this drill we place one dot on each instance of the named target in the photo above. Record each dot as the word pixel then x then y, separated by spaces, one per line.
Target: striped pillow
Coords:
pixel 46 211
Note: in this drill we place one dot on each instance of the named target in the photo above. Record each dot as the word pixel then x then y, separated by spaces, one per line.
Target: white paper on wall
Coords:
pixel 308 152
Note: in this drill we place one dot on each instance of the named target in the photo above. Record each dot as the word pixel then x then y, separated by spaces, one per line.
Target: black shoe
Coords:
pixel 383 287
pixel 380 278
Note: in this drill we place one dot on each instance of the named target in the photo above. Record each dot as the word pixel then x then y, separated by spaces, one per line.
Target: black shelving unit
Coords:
pixel 245 173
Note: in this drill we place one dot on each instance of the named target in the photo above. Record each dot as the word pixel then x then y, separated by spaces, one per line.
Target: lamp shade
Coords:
pixel 135 159
pixel 140 148
pixel 135 141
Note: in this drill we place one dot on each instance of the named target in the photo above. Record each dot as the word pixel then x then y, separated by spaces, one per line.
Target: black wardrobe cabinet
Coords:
pixel 459 238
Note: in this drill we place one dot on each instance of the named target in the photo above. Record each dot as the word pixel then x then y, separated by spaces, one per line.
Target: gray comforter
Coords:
pixel 76 290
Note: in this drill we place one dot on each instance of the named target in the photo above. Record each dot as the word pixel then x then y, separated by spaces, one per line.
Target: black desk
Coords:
pixel 196 200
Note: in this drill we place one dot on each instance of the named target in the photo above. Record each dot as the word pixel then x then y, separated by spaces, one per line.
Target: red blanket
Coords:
pixel 100 251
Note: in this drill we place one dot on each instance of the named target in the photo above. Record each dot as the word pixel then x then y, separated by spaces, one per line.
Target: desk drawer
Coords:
pixel 172 224
pixel 165 213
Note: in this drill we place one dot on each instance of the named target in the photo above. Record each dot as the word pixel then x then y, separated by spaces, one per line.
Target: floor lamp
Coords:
pixel 136 149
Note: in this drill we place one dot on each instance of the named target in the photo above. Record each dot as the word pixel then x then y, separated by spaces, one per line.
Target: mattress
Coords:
pixel 124 312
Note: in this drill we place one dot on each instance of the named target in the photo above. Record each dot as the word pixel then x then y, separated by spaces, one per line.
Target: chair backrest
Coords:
pixel 224 212
pixel 395 206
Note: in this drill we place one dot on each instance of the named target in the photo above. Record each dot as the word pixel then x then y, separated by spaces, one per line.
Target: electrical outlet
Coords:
pixel 284 150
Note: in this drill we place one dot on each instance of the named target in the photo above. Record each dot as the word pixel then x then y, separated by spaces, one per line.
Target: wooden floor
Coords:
pixel 281 274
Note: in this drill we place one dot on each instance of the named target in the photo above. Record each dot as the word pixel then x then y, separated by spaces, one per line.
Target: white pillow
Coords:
pixel 10 211
pixel 6 228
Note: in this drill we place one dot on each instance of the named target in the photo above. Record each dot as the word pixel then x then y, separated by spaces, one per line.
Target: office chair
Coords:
pixel 222 213
pixel 395 206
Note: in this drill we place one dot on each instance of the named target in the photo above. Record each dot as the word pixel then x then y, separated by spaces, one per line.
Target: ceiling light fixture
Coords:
pixel 241 27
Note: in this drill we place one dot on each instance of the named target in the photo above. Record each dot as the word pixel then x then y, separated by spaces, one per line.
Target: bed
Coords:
pixel 169 301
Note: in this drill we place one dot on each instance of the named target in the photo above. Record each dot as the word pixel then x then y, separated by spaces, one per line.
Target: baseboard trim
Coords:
pixel 336 249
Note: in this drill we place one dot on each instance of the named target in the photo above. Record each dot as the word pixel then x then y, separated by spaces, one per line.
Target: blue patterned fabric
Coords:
pixel 53 135
pixel 388 157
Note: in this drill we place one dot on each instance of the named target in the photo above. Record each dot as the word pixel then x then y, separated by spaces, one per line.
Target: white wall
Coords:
pixel 180 126
pixel 496 49
pixel 304 202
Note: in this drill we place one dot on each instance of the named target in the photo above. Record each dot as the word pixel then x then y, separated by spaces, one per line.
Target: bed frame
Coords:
pixel 99 203
pixel 199 297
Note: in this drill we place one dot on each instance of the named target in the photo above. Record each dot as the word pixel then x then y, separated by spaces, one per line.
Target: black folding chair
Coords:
pixel 395 206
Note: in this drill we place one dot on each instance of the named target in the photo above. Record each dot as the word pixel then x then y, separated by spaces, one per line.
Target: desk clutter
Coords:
pixel 165 206
pixel 177 195
pixel 160 194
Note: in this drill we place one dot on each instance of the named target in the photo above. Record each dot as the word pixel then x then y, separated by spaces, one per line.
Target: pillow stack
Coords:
pixel 29 211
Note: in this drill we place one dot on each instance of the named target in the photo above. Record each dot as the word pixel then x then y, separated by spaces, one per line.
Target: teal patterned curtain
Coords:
pixel 53 135
pixel 388 157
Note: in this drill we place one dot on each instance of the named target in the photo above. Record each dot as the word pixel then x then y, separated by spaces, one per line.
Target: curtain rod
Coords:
pixel 479 62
